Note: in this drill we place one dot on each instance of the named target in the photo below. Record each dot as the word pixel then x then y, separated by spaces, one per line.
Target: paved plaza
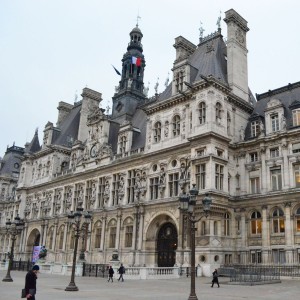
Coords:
pixel 52 287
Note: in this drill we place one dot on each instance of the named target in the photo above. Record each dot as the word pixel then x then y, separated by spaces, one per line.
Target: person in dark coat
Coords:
pixel 110 274
pixel 30 282
pixel 215 278
pixel 121 271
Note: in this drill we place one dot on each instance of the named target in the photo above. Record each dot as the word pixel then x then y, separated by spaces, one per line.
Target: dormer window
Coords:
pixel 218 112
pixel 255 128
pixel 122 145
pixel 296 117
pixel 202 112
pixel 179 81
pixel 275 122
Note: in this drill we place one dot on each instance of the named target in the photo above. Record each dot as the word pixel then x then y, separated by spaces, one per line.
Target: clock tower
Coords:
pixel 129 94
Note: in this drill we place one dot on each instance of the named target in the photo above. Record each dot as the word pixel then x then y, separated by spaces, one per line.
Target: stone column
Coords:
pixel 104 219
pixel 54 235
pixel 141 228
pixel 265 235
pixel 119 218
pixel 288 233
pixel 263 170
pixel 285 167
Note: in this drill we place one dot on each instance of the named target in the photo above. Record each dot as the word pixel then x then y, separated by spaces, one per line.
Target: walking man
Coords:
pixel 30 282
pixel 121 271
pixel 215 278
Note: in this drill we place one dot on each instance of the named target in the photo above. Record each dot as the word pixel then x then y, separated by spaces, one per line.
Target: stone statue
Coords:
pixel 283 122
pixel 219 21
pixel 201 30
pixel 242 133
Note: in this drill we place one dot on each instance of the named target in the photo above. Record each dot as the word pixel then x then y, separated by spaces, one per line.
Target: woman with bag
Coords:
pixel 215 278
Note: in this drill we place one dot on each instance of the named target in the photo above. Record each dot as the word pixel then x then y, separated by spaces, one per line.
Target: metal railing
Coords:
pixel 94 270
pixel 19 265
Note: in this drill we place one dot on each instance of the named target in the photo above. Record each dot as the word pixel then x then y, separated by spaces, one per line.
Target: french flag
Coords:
pixel 136 61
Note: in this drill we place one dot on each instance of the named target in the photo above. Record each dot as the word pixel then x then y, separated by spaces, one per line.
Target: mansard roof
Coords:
pixel 288 96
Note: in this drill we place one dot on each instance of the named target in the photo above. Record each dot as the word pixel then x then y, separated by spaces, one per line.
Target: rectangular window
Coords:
pixel 255 185
pixel 296 117
pixel 115 189
pixel 112 237
pixel 274 152
pixel 220 153
pixel 278 256
pixel 101 191
pixel 128 236
pixel 276 180
pixel 275 122
pixel 200 176
pixel 154 188
pixel 201 152
pixel 255 129
pixel 173 184
pixel 297 175
pixel 219 176
pixel 130 186
pixel 296 148
pixel 253 156
pixel 256 257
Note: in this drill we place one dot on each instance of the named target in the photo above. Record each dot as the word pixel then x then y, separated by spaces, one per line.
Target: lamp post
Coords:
pixel 75 221
pixel 13 228
pixel 187 204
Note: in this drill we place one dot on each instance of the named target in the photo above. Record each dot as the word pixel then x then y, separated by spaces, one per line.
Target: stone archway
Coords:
pixel 33 240
pixel 167 240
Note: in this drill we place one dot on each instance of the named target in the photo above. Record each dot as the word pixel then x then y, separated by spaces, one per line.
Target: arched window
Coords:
pixel 50 236
pixel 157 132
pixel 128 235
pixel 298 219
pixel 202 113
pixel 112 237
pixel 61 238
pixel 218 112
pixel 278 221
pixel 256 222
pixel 176 125
pixel 226 224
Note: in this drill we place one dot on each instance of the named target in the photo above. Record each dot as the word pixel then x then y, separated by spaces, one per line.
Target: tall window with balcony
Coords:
pixel 219 177
pixel 101 192
pixel 200 176
pixel 173 184
pixel 128 235
pixel 278 221
pixel 255 128
pixel 115 189
pixel 176 125
pixel 154 183
pixel 274 122
pixel 256 223
pixel 202 113
pixel 297 175
pixel 296 117
pixel 157 132
pixel 218 112
pixel 276 179
pixel 112 236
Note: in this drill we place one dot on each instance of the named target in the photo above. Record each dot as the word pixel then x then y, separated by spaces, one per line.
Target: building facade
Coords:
pixel 128 168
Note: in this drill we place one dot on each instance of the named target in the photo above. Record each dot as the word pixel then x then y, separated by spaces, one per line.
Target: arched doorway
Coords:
pixel 167 240
pixel 33 240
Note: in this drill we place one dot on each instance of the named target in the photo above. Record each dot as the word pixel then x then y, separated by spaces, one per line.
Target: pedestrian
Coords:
pixel 110 274
pixel 30 282
pixel 215 278
pixel 121 271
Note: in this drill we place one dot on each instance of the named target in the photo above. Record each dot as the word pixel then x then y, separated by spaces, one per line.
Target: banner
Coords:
pixel 35 253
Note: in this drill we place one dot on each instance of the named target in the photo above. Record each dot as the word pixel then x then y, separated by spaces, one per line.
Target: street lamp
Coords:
pixel 187 204
pixel 75 221
pixel 13 228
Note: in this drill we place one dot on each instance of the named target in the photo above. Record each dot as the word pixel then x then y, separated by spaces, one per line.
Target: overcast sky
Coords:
pixel 51 49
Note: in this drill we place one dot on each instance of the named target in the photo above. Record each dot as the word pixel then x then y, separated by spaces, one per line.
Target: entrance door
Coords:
pixel 166 245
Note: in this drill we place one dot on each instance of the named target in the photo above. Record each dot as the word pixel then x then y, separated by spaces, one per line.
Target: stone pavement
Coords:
pixel 52 287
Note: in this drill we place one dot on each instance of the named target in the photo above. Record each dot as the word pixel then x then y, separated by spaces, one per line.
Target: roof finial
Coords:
pixel 201 30
pixel 137 19
pixel 167 80
pixel 156 85
pixel 219 22
pixel 75 97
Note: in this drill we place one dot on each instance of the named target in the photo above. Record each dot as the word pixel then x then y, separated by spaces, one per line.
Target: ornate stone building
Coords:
pixel 129 168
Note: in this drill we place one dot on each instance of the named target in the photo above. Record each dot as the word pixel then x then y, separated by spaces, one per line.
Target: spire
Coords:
pixel 34 145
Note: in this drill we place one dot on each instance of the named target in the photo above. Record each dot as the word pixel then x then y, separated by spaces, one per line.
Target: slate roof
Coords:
pixel 34 146
pixel 11 161
pixel 288 95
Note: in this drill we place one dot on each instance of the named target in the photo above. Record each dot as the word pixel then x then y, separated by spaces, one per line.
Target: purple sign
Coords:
pixel 35 253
